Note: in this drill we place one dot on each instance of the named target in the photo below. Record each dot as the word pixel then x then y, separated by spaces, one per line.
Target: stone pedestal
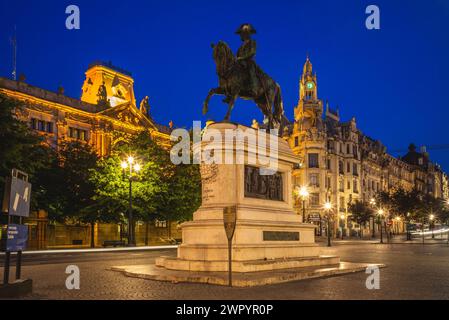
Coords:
pixel 268 235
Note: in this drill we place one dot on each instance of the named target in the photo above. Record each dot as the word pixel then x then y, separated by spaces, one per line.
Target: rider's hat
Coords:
pixel 246 28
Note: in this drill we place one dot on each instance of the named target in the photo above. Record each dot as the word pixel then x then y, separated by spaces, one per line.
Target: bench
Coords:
pixel 114 243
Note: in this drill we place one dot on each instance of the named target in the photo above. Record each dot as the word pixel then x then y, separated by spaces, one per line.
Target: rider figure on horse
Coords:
pixel 246 53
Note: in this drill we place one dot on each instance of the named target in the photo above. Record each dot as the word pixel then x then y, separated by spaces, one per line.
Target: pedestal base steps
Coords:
pixel 172 263
pixel 246 279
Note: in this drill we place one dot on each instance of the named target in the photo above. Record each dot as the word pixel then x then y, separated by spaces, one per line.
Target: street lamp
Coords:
pixel 372 202
pixel 431 218
pixel 380 212
pixel 133 168
pixel 304 194
pixel 328 208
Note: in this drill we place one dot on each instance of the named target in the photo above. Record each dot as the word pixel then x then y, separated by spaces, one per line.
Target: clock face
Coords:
pixel 309 85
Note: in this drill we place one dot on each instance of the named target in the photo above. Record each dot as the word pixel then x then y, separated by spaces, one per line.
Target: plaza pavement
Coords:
pixel 413 272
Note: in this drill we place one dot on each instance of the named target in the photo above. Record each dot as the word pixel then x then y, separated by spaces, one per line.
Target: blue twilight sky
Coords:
pixel 394 80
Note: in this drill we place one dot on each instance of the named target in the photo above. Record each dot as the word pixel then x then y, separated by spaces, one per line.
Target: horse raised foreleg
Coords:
pixel 211 93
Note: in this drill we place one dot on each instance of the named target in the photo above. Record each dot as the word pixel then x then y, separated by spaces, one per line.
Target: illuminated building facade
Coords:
pixel 340 164
pixel 101 120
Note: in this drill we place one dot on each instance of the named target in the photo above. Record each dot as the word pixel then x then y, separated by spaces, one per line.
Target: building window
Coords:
pixel 348 167
pixel 315 199
pixel 356 187
pixel 348 148
pixel 313 160
pixel 78 134
pixel 314 180
pixel 340 167
pixel 341 185
pixel 328 165
pixel 349 184
pixel 41 125
pixel 342 204
pixel 50 127
pixel 354 169
pixel 296 141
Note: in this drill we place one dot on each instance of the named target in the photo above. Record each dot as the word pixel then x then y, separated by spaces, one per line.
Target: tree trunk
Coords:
pixel 92 235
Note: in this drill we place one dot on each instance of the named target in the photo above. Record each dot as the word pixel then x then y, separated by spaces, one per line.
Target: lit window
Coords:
pixel 314 199
pixel 313 160
pixel 314 180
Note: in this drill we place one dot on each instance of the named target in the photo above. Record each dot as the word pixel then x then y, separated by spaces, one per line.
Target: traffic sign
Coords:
pixel 17 197
pixel 16 237
pixel 229 219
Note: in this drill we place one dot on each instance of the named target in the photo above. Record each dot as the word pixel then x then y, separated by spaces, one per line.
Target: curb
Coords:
pixel 99 250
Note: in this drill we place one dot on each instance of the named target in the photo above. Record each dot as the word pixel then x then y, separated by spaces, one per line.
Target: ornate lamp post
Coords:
pixel 328 208
pixel 133 167
pixel 407 226
pixel 304 194
pixel 372 202
pixel 431 224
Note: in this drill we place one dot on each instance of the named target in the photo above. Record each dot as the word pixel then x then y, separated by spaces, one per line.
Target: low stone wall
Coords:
pixel 79 236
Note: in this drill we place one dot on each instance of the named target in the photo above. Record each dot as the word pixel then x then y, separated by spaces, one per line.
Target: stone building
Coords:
pixel 105 116
pixel 340 164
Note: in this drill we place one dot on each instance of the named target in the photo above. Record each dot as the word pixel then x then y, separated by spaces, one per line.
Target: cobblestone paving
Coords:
pixel 413 272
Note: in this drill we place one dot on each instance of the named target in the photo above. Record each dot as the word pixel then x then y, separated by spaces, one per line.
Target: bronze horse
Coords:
pixel 233 83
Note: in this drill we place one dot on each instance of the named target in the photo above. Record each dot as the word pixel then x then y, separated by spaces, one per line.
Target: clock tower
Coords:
pixel 308 93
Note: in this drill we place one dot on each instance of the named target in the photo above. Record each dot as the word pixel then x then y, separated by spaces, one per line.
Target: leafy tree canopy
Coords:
pixel 22 149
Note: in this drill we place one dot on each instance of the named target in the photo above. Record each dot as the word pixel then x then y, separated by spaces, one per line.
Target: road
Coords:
pixel 414 271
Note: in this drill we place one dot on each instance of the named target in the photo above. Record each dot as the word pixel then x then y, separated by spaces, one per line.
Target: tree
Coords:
pixel 73 188
pixel 66 188
pixel 443 214
pixel 429 206
pixel 160 190
pixel 182 197
pixel 361 213
pixel 404 204
pixel 23 149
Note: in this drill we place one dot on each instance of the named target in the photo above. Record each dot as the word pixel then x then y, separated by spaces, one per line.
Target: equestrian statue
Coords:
pixel 240 76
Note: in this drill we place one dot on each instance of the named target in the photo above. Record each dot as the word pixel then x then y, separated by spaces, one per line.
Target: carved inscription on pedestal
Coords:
pixel 268 187
pixel 209 174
